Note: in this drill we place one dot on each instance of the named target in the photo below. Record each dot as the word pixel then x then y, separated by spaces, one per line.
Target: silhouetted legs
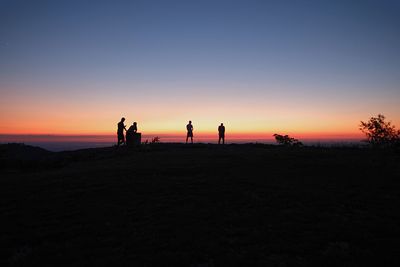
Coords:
pixel 223 139
pixel 191 138
pixel 121 139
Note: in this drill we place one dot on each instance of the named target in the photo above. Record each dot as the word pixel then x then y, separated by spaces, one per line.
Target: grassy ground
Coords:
pixel 200 205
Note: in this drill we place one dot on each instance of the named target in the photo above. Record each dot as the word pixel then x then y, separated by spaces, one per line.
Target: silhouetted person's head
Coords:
pixel 190 122
pixel 122 119
pixel 135 123
pixel 222 124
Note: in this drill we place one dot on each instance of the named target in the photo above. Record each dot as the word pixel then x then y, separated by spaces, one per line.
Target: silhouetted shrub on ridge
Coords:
pixel 155 140
pixel 286 140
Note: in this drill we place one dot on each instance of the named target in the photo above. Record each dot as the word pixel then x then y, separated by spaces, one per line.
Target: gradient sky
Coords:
pixel 298 67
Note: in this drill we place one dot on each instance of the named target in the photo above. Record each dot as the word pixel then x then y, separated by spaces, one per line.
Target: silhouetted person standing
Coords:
pixel 189 129
pixel 221 133
pixel 120 132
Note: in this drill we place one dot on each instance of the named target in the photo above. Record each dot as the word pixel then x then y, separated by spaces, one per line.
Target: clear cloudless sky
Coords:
pixel 297 67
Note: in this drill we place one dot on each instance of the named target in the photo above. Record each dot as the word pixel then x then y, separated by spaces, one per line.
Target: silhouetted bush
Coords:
pixel 155 140
pixel 286 140
pixel 379 132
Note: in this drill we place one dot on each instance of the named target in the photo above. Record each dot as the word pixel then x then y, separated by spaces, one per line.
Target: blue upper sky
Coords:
pixel 248 41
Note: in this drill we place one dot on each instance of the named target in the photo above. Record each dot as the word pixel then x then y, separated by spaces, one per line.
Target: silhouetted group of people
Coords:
pixel 189 129
pixel 121 128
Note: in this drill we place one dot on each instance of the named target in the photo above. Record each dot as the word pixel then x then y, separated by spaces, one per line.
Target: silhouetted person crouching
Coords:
pixel 221 134
pixel 133 138
pixel 120 132
pixel 133 128
pixel 189 129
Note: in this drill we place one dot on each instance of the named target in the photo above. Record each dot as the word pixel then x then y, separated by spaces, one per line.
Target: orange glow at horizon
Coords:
pixel 80 113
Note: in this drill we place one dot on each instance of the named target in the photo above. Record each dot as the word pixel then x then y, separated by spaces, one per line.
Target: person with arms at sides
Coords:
pixel 221 134
pixel 189 129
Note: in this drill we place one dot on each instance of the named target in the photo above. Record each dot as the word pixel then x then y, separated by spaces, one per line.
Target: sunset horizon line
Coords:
pixel 236 135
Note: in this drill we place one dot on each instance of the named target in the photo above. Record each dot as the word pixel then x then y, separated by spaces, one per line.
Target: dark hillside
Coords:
pixel 203 205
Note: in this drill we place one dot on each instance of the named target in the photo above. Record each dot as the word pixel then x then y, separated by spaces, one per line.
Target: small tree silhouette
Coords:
pixel 379 132
pixel 286 140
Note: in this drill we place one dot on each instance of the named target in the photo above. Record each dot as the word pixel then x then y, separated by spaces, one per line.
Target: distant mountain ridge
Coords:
pixel 22 151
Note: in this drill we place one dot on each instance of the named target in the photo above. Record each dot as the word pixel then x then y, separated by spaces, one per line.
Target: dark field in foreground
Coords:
pixel 200 205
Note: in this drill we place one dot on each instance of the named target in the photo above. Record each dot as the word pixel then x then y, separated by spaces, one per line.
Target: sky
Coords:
pixel 306 68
